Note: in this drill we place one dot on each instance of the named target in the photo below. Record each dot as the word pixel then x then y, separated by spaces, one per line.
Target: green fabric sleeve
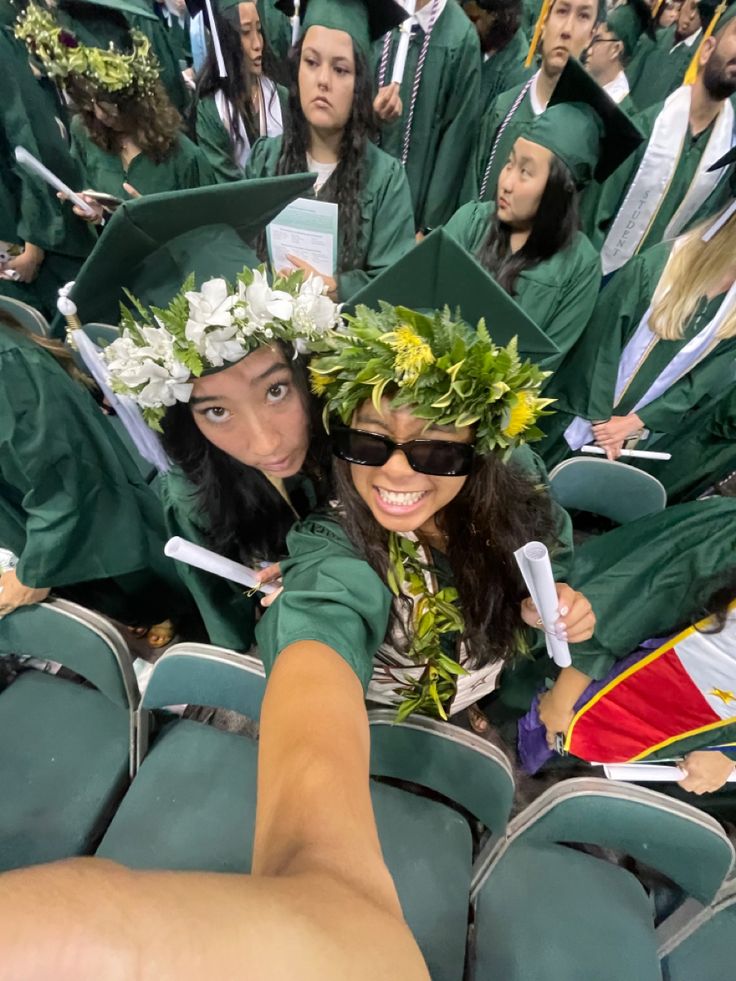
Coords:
pixel 478 157
pixel 85 517
pixel 388 226
pixel 214 142
pixel 649 578
pixel 576 302
pixel 665 414
pixel 331 596
pixel 469 225
pixel 562 550
pixel 461 120
pixel 196 170
pixel 228 614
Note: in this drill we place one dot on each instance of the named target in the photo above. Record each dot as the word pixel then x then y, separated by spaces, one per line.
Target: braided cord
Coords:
pixel 501 130
pixel 418 82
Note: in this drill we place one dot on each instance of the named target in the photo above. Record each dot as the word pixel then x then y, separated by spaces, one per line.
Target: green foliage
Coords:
pixel 466 380
pixel 434 615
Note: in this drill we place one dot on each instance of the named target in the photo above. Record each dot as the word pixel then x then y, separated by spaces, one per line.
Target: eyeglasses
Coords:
pixel 437 457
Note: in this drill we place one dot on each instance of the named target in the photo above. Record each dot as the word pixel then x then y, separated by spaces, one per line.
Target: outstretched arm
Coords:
pixel 318 897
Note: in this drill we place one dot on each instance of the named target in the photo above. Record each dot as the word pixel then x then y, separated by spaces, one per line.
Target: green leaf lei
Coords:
pixel 434 615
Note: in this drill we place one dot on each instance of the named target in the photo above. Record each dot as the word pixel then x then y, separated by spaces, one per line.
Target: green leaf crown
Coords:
pixel 447 372
pixel 62 55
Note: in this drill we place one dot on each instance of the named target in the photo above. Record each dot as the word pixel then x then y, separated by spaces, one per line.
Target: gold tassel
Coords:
pixel 543 15
pixel 656 7
pixel 692 73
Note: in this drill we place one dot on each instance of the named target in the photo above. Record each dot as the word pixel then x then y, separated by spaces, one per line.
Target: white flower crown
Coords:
pixel 160 351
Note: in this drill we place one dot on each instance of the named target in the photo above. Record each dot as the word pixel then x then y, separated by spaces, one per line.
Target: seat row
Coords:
pixel 94 768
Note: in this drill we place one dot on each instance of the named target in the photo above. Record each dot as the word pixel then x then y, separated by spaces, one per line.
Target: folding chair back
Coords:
pixel 614 490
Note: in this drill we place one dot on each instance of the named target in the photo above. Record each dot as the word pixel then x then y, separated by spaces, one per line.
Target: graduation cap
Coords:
pixel 151 244
pixel 584 127
pixel 629 22
pixel 437 273
pixel 99 23
pixel 364 20
pixel 716 17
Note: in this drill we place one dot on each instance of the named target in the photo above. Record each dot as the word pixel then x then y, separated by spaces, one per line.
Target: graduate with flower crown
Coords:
pixel 126 135
pixel 410 577
pixel 218 368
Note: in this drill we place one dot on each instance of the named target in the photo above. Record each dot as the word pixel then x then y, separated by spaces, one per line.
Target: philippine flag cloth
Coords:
pixel 684 688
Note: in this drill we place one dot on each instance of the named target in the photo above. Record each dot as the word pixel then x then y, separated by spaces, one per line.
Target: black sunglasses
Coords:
pixel 438 457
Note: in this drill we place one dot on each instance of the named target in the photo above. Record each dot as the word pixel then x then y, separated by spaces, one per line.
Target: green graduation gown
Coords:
pixel 445 117
pixel 387 225
pixel 585 383
pixel 276 29
pixel 703 450
pixel 490 122
pixel 73 506
pixel 186 167
pixel 559 294
pixel 658 68
pixel 613 191
pixel 504 70
pixel 29 208
pixel 214 140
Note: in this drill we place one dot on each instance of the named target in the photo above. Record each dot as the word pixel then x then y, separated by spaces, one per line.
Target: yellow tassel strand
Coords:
pixel 543 15
pixel 692 73
pixel 656 7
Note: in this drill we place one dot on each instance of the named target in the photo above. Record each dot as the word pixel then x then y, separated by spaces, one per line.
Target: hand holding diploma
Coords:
pixel 218 565
pixel 564 614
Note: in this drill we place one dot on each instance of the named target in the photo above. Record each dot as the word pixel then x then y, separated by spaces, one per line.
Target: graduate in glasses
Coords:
pixel 411 577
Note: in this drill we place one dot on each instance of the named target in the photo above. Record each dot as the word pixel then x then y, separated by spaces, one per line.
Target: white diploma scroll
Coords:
pixel 29 162
pixel 404 39
pixel 536 568
pixel 640 454
pixel 218 565
pixel 648 773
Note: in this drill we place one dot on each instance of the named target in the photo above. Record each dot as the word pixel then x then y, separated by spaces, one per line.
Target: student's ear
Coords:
pixel 707 48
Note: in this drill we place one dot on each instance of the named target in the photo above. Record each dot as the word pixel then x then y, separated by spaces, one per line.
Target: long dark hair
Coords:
pixel 238 85
pixel 554 228
pixel 498 510
pixel 722 592
pixel 344 186
pixel 245 518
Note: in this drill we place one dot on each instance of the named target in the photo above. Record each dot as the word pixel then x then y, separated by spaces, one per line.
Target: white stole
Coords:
pixel 271 122
pixel 656 170
pixel 580 431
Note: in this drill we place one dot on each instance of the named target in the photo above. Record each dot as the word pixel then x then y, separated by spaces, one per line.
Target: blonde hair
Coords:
pixel 694 267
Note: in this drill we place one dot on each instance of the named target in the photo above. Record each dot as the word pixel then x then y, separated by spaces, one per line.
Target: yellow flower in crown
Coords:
pixel 413 354
pixel 319 383
pixel 522 414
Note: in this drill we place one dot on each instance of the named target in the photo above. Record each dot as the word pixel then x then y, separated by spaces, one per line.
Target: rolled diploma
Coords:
pixel 29 162
pixel 536 568
pixel 641 454
pixel 218 565
pixel 648 773
pixel 403 48
pixel 144 439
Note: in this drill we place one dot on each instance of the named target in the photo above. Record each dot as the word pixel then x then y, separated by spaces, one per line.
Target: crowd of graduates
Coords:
pixel 535 256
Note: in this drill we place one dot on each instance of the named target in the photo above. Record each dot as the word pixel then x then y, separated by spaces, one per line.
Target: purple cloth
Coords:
pixel 532 736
